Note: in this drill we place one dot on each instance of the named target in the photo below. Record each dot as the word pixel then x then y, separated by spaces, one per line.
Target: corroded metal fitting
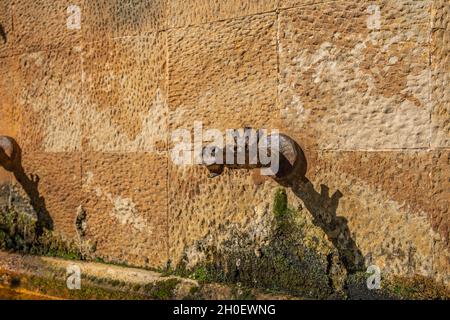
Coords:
pixel 7 151
pixel 292 160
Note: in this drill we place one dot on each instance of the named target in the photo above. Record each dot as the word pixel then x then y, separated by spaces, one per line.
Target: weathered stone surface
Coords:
pixel 440 194
pixel 43 24
pixel 440 12
pixel 380 202
pixel 403 11
pixel 393 14
pixel 125 198
pixel 440 83
pixel 195 12
pixel 124 94
pixel 365 95
pixel 228 223
pixel 195 212
pixel 52 182
pixel 403 175
pixel 297 3
pixel 5 180
pixel 224 74
pixel 6 27
pixel 440 217
pixel 9 117
pixel 48 275
pixel 385 199
pixel 120 18
pixel 441 262
pixel 49 100
pixel 336 71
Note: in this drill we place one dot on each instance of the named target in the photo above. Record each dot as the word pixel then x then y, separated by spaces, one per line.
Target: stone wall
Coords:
pixel 365 95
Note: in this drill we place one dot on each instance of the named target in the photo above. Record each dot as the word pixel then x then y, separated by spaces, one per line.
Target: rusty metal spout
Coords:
pixel 292 160
pixel 7 151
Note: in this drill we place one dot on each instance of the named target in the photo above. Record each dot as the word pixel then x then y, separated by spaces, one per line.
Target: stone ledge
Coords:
pixel 28 277
pixel 47 276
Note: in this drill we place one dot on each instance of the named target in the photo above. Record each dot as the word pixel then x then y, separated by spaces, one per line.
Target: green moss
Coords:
pixel 115 282
pixel 137 287
pixel 49 244
pixel 56 287
pixel 242 293
pixel 415 288
pixel 194 290
pixel 162 290
pixel 100 260
pixel 398 288
pixel 280 204
pixel 201 274
pixel 18 233
pixel 284 265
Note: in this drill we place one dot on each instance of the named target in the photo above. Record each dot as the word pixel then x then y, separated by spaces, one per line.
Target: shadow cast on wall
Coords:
pixel 320 204
pixel 3 34
pixel 30 183
pixel 291 174
pixel 322 207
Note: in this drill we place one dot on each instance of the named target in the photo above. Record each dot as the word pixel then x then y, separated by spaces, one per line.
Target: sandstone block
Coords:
pixel 9 115
pixel 9 119
pixel 338 70
pixel 45 24
pixel 124 93
pixel 125 198
pixel 197 214
pixel 384 199
pixel 440 83
pixel 195 12
pixel 51 183
pixel 440 194
pixel 120 18
pixel 440 12
pixel 49 100
pixel 6 28
pixel 224 74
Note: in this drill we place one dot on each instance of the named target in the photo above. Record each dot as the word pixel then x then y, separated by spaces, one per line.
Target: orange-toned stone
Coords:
pixel 40 25
pixel 9 117
pixel 369 107
pixel 384 197
pixel 224 74
pixel 440 194
pixel 195 12
pixel 53 183
pixel 440 12
pixel 49 100
pixel 440 83
pixel 124 93
pixel 125 198
pixel 6 28
pixel 119 18
pixel 347 86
